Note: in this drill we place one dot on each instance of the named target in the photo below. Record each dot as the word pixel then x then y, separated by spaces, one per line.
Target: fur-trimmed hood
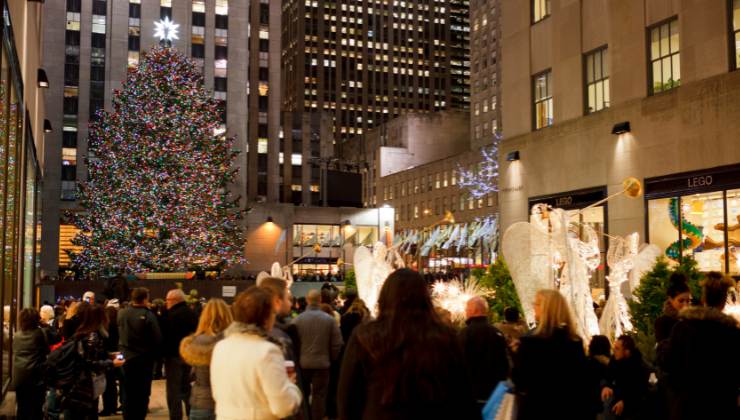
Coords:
pixel 702 313
pixel 196 350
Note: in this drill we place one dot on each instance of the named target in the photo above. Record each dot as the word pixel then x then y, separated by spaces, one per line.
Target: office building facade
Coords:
pixel 367 62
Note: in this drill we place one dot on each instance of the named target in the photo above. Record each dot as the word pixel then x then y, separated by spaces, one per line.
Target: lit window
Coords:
pixel 597 81
pixel 665 59
pixel 133 58
pixel 296 159
pixel 262 146
pixel 542 84
pixel 540 10
pixel 222 7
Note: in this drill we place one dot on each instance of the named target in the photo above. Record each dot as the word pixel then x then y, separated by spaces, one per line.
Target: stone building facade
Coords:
pixel 600 90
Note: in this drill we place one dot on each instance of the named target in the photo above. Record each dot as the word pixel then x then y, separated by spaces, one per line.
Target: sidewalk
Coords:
pixel 157 403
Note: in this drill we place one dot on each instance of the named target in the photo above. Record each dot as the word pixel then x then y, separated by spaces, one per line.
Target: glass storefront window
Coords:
pixel 663 226
pixel 702 230
pixel 696 226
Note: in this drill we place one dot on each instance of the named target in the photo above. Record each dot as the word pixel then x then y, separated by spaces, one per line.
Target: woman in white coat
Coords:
pixel 249 379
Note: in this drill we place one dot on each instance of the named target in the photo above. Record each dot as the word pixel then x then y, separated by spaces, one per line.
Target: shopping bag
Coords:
pixel 496 400
pixel 507 409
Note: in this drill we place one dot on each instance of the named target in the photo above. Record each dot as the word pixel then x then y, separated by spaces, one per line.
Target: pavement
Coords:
pixel 157 403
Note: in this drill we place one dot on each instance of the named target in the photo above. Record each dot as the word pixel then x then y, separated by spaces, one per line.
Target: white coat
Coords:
pixel 248 378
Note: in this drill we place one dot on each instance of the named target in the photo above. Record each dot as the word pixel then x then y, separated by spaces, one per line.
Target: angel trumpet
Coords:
pixel 632 188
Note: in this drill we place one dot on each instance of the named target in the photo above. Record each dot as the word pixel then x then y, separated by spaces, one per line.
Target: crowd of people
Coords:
pixel 265 357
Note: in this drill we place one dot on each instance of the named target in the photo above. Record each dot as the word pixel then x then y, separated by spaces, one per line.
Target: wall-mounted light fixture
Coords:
pixel 41 78
pixel 621 128
pixel 269 219
pixel 512 156
pixel 47 126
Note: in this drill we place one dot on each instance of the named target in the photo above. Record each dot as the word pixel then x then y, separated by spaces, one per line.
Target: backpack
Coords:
pixel 64 365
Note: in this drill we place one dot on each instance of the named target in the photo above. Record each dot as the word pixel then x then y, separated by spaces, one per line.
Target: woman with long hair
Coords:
pixel 196 350
pixel 407 363
pixel 550 371
pixel 81 401
pixel 252 384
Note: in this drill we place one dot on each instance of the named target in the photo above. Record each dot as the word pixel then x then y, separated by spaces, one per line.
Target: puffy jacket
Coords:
pixel 196 350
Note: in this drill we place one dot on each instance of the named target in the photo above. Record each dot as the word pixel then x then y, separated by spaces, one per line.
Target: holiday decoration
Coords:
pixel 483 180
pixel 498 279
pixel 454 295
pixel 692 235
pixel 277 271
pixel 372 269
pixel 626 261
pixel 544 255
pixel 166 30
pixel 157 194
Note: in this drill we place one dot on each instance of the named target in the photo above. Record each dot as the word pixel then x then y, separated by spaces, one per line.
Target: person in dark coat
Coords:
pixel 139 340
pixel 701 358
pixel 350 294
pixel 550 372
pixel 626 387
pixel 30 348
pixel 179 322
pixel 353 316
pixel 406 364
pixel 485 350
pixel 599 355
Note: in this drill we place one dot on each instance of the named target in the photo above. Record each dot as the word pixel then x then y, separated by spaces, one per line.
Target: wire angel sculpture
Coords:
pixel 626 262
pixel 372 269
pixel 277 271
pixel 551 253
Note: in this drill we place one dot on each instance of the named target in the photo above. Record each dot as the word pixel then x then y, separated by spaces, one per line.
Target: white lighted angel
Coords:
pixel 371 270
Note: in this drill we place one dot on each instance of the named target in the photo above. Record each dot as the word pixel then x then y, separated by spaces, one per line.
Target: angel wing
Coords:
pixel 642 263
pixel 276 270
pixel 527 252
pixel 261 276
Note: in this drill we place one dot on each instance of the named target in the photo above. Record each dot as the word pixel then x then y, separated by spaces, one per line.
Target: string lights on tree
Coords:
pixel 484 179
pixel 160 166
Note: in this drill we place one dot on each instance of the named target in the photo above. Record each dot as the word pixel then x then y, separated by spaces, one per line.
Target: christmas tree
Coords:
pixel 159 169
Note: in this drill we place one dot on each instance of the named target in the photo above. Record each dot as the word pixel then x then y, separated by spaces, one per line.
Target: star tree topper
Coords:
pixel 166 30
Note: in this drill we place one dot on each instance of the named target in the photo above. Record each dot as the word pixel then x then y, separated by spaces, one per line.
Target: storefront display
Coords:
pixel 697 214
pixel 574 203
pixel 317 248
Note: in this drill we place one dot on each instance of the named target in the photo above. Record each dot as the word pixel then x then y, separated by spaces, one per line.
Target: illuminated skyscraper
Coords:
pixel 369 61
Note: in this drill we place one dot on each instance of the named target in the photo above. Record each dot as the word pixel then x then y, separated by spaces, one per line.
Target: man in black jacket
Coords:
pixel 484 347
pixel 139 338
pixel 179 322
